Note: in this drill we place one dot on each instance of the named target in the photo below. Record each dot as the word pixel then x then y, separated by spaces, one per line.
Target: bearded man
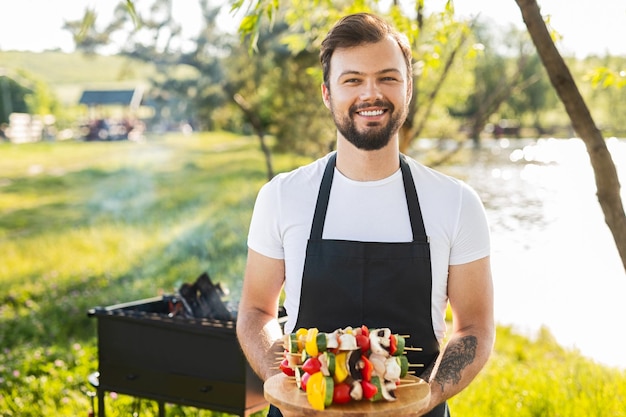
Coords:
pixel 368 236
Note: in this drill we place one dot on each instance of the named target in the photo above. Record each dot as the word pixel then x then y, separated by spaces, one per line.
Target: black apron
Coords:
pixel 378 284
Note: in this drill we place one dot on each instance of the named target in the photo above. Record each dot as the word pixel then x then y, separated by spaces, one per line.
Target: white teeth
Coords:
pixel 371 113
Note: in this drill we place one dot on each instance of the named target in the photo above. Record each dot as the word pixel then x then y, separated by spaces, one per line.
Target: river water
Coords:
pixel 554 260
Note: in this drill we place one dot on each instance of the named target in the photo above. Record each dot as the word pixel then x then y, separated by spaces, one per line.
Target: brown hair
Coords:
pixel 358 29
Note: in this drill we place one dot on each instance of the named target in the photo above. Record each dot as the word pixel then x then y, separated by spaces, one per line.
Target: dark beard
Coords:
pixel 378 136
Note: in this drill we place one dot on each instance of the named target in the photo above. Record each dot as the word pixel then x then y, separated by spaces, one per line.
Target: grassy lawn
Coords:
pixel 88 224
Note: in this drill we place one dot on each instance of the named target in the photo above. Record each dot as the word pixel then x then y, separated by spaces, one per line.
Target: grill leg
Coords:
pixel 161 409
pixel 94 380
pixel 101 412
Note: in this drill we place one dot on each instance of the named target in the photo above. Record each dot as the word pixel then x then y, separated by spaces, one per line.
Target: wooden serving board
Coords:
pixel 281 391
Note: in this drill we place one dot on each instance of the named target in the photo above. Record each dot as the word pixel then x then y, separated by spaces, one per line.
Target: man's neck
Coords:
pixel 360 165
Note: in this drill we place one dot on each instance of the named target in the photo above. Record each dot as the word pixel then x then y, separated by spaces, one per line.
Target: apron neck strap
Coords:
pixel 321 207
pixel 415 212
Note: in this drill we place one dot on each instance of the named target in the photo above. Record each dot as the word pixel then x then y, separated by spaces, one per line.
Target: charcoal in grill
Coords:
pixel 203 299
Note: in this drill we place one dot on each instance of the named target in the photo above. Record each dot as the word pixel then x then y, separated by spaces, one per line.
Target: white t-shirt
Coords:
pixel 374 211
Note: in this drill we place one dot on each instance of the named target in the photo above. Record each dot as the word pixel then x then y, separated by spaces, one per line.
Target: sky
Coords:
pixel 586 27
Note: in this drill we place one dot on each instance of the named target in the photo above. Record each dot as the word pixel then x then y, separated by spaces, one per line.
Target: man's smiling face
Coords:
pixel 368 93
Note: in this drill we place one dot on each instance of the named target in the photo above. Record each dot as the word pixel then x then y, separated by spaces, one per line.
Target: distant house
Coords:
pixel 130 98
pixel 106 124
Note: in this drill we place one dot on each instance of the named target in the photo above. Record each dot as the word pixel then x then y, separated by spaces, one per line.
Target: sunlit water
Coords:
pixel 554 260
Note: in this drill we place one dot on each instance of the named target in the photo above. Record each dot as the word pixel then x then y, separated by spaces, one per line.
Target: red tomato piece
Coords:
pixel 341 393
pixel 311 365
pixel 287 370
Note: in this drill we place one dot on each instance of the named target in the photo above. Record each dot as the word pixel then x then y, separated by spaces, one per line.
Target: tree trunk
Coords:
pixel 607 182
pixel 257 126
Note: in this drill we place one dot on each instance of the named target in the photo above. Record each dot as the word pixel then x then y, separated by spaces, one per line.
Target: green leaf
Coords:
pixel 130 6
pixel 249 24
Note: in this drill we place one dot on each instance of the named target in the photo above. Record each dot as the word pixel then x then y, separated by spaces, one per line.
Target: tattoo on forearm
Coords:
pixel 457 356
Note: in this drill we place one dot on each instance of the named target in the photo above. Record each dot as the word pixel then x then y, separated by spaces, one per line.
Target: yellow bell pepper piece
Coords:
pixel 301 337
pixel 311 342
pixel 341 367
pixel 316 391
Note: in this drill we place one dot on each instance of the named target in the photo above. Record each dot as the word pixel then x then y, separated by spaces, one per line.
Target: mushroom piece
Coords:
pixel 392 369
pixel 378 361
pixel 347 342
pixel 356 391
pixel 385 337
pixel 355 364
pixel 332 340
pixel 388 390
pixel 380 342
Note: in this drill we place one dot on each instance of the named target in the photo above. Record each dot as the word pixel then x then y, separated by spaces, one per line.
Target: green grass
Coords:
pixel 537 378
pixel 63 68
pixel 87 224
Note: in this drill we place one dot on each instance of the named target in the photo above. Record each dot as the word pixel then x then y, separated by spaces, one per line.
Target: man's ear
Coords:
pixel 326 95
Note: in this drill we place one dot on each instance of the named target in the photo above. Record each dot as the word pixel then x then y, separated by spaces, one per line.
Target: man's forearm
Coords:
pixel 462 359
pixel 457 356
pixel 260 336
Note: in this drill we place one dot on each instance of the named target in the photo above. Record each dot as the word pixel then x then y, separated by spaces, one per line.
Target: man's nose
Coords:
pixel 371 90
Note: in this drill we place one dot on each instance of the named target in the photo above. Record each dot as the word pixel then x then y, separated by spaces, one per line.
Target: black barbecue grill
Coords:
pixel 145 352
